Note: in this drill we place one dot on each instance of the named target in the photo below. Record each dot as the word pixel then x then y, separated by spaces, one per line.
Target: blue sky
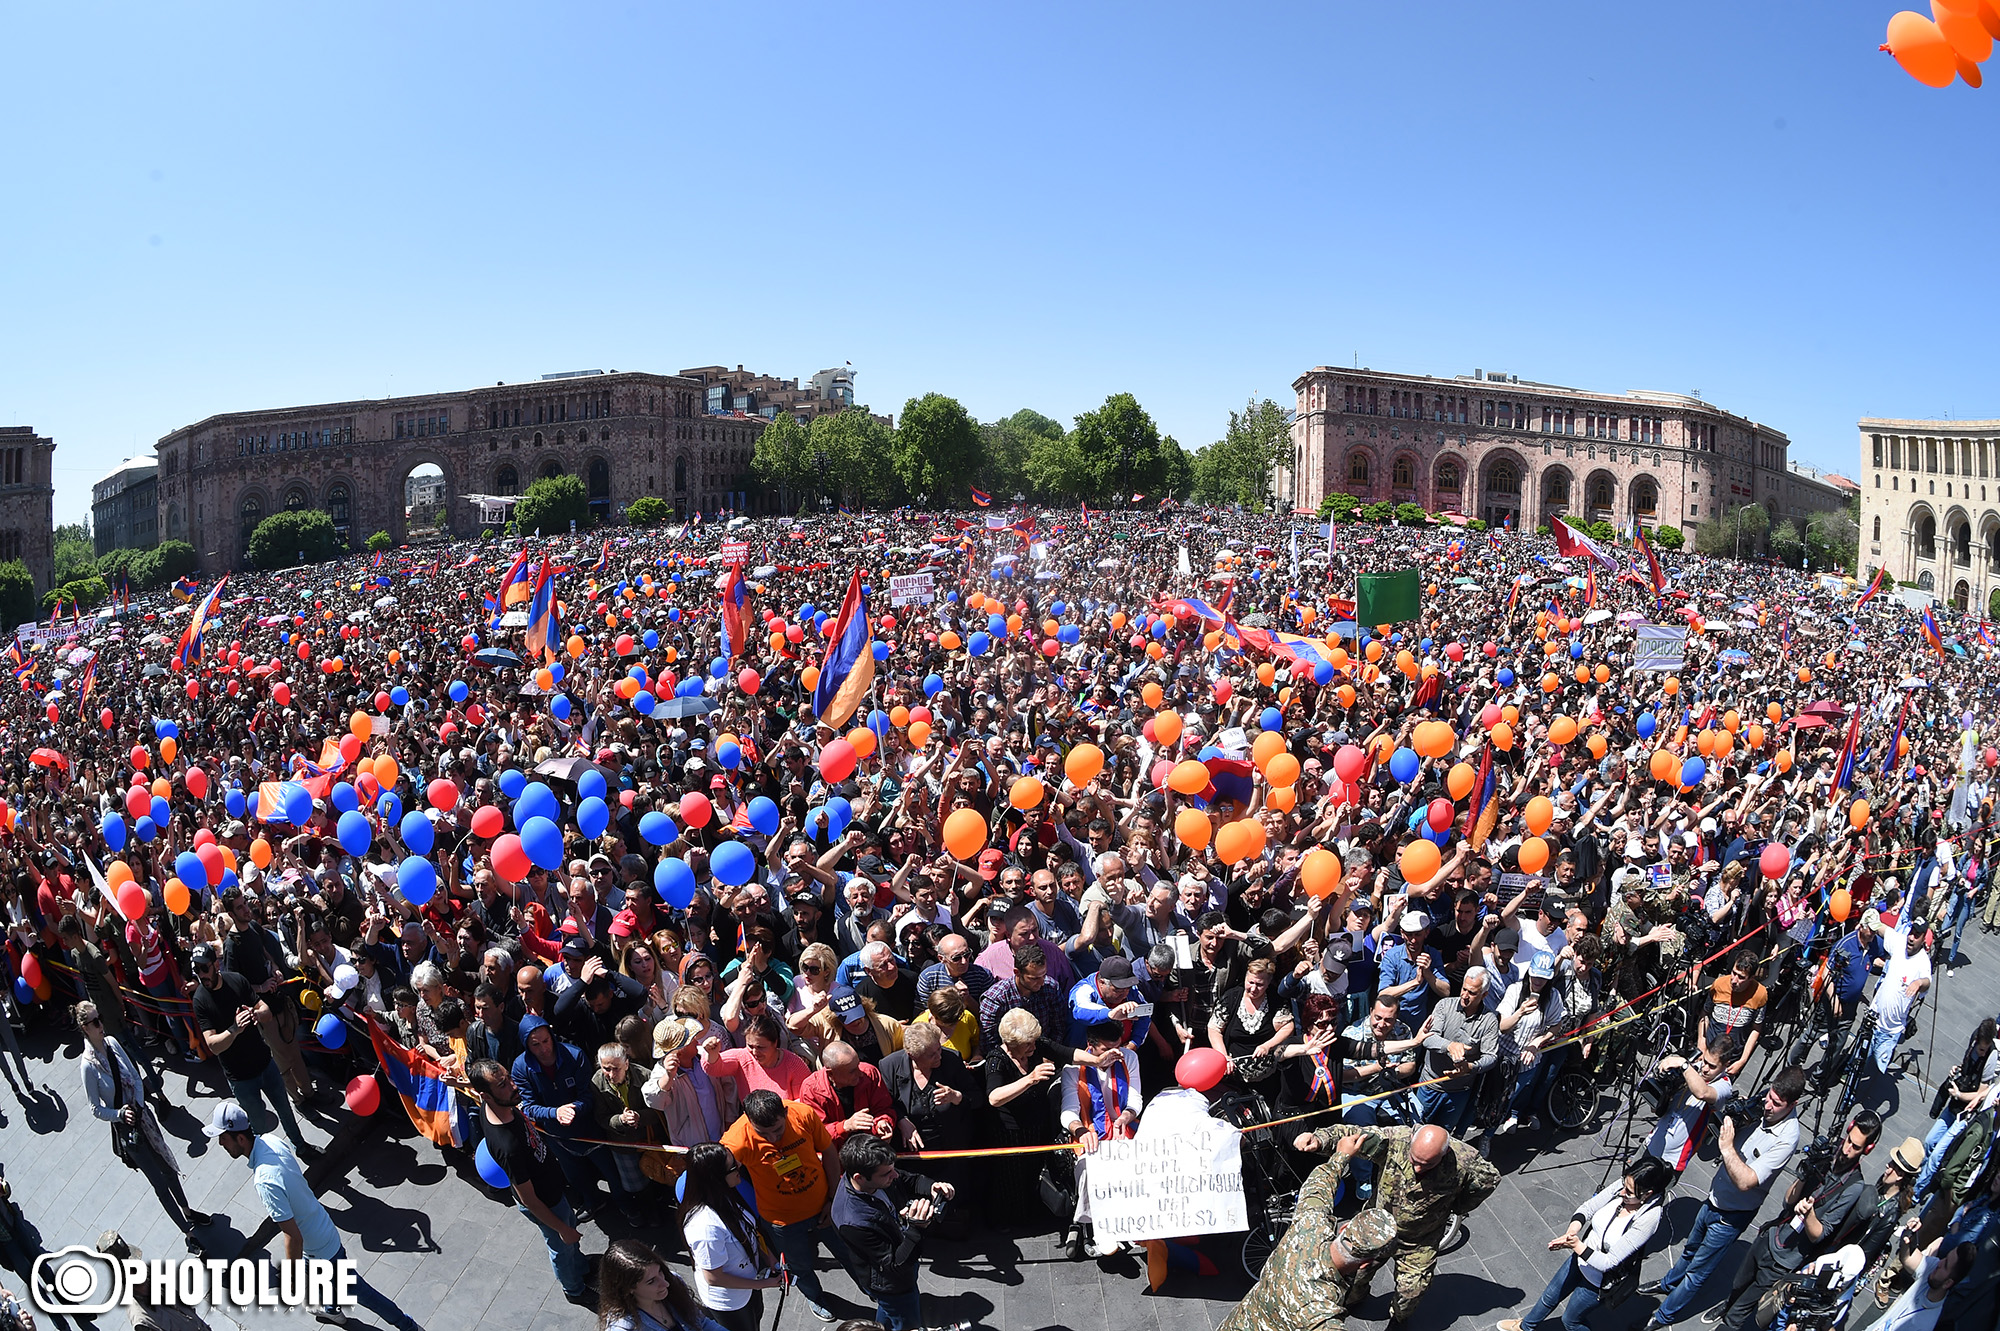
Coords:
pixel 223 207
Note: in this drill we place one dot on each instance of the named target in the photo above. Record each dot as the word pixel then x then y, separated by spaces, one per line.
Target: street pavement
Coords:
pixel 430 1235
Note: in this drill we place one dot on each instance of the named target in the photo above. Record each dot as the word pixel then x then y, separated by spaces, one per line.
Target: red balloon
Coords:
pixel 487 821
pixel 132 901
pixel 305 651
pixel 54 713
pixel 203 838
pixel 139 802
pixel 1201 1068
pixel 350 746
pixel 1491 649
pixel 476 714
pixel 447 730
pixel 281 694
pixel 627 797
pixel 695 809
pixel 1774 861
pixel 1223 688
pixel 107 719
pixel 748 680
pixel 197 783
pixel 1440 815
pixel 211 860
pixel 31 970
pixel 363 1096
pixel 1350 762
pixel 1454 652
pixel 470 642
pixel 381 702
pixel 443 795
pixel 140 758
pixel 624 643
pixel 510 861
pixel 836 760
pixel 194 688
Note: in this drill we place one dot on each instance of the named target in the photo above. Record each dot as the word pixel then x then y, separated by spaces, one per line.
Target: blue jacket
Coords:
pixel 545 1090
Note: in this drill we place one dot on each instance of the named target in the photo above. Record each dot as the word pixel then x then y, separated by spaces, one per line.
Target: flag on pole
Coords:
pixel 981 498
pixel 603 560
pixel 735 594
pixel 1387 598
pixel 189 650
pixel 1843 772
pixel 1873 588
pixel 1653 570
pixel 541 638
pixel 1928 623
pixel 1590 586
pixel 518 584
pixel 86 684
pixel 1571 543
pixel 849 668
pixel 1896 740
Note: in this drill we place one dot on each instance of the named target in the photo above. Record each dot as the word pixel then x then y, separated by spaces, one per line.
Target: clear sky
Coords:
pixel 221 207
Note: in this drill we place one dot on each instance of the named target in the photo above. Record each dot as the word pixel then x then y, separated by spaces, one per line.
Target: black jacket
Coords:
pixel 889 1246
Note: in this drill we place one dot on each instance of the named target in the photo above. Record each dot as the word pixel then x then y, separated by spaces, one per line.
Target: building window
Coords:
pixel 1555 489
pixel 1447 478
pixel 1645 498
pixel 1504 479
pixel 337 509
pixel 1357 468
pixel 1878 527
pixel 1405 474
pixel 1927 537
pixel 507 481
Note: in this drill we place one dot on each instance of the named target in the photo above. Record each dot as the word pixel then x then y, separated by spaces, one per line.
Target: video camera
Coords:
pixel 1817 1300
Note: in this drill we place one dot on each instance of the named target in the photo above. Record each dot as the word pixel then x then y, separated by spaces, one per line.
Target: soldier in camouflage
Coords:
pixel 1307 1284
pixel 1423 1178
pixel 1645 914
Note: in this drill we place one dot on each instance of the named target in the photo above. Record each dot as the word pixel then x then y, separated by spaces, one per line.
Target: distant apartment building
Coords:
pixel 745 392
pixel 125 507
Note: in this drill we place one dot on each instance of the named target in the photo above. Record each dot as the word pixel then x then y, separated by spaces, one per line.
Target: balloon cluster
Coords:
pixel 1952 43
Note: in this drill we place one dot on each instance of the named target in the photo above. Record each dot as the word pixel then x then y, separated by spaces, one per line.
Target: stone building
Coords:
pixel 28 501
pixel 125 507
pixel 1930 506
pixel 726 391
pixel 625 434
pixel 1495 446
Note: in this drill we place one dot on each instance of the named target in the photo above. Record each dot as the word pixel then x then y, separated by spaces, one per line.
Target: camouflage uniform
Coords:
pixel 1301 1288
pixel 1421 1204
pixel 1638 911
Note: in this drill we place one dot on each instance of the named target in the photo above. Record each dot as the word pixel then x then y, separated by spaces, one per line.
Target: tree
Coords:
pixel 1411 515
pixel 74 556
pixel 1005 446
pixel 860 457
pixel 86 591
pixel 292 537
pixel 380 541
pixel 1178 478
pixel 1338 506
pixel 169 561
pixel 1786 542
pixel 937 446
pixel 17 593
pixel 1120 450
pixel 1601 532
pixel 1669 538
pixel 551 504
pixel 783 456
pixel 1738 528
pixel 1237 468
pixel 1833 536
pixel 1056 469
pixel 651 510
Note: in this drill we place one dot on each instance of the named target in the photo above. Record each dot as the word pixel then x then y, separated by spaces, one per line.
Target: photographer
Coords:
pixel 1689 1104
pixel 882 1213
pixel 1747 1168
pixel 1817 1208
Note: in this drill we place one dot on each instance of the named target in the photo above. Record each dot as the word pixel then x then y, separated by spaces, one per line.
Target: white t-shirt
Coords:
pixel 713 1248
pixel 1892 1005
pixel 1914 1311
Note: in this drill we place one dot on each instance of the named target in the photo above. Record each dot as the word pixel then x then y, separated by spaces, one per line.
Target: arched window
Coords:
pixel 337 508
pixel 251 514
pixel 680 473
pixel 1555 488
pixel 1447 477
pixel 1878 528
pixel 1961 543
pixel 551 468
pixel 507 481
pixel 598 482
pixel 1357 468
pixel 1600 492
pixel 1927 537
pixel 1645 497
pixel 1404 475
pixel 1504 479
pixel 295 499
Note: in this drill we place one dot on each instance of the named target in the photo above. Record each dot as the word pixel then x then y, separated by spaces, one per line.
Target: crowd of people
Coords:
pixel 735 899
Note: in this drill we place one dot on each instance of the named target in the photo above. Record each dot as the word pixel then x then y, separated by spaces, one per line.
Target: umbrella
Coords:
pixel 79 655
pixel 1734 655
pixel 492 658
pixel 1856 644
pixel 384 602
pixel 1344 629
pixel 1746 624
pixel 1826 707
pixel 1465 582
pixel 1631 617
pixel 358 617
pixel 49 758
pixel 514 619
pixel 1807 720
pixel 1260 620
pixel 258 672
pixel 1597 617
pixel 678 708
pixel 59 674
pixel 573 766
pixel 769 570
pixel 153 670
pixel 1914 682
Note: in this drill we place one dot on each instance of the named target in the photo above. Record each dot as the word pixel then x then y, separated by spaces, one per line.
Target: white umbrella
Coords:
pixel 357 617
pixel 1914 682
pixel 1631 617
pixel 1597 617
pixel 763 571
pixel 384 602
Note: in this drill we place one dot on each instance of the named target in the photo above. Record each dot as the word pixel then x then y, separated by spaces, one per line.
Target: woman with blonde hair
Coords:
pixel 118 1097
pixel 813 992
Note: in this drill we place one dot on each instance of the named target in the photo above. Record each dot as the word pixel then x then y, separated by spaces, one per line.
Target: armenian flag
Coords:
pixel 1928 623
pixel 1843 772
pixel 604 560
pixel 735 598
pixel 1590 586
pixel 185 588
pixel 433 1106
pixel 1985 633
pixel 981 498
pixel 1896 740
pixel 84 686
pixel 848 671
pixel 519 583
pixel 1873 587
pixel 189 650
pixel 1514 594
pixel 1653 569
pixel 542 636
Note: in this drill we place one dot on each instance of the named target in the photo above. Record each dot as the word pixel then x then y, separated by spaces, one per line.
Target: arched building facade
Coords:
pixel 625 435
pixel 1930 506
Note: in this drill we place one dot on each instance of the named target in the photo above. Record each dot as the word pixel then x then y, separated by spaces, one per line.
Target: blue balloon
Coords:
pixel 512 782
pixel 166 730
pixel 932 684
pixel 298 803
pixel 643 702
pixel 113 831
pixel 542 839
pixel 191 871
pixel 878 721
pixel 996 625
pixel 250 805
pixel 839 813
pixel 416 878
pixel 457 692
pixel 657 829
pixel 399 696
pixel 1435 837
pixel 1159 628
pixel 1058 609
pixel 1646 725
pixel 390 806
pixel 145 829
pixel 557 670
pixel 24 994
pixel 1271 719
pixel 591 785
pixel 674 612
pixel 676 883
pixel 881 650
pixel 489 1169
pixel 332 1033
pixel 718 668
pixel 1403 765
pixel 951 596
pixel 1576 651
pixel 592 817
pixel 651 639
pixel 1506 678
pixel 729 754
pixel 418 834
pixel 733 863
pixel 355 833
pixel 688 688
pixel 1323 672
pixel 161 812
pixel 536 801
pixel 1069 634
pixel 232 800
pixel 344 798
pixel 808 611
pixel 979 644
pixel 1424 646
pixel 764 816
pixel 1692 771
pixel 559 707
pixel 229 879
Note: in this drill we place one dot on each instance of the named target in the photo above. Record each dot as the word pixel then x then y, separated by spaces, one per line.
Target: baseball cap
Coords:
pixel 1506 939
pixel 847 1006
pixel 1414 920
pixel 228 1117
pixel 202 954
pixel 1872 918
pixel 1543 965
pixel 624 924
pixel 1118 971
pixel 599 861
pixel 990 861
pixel 803 898
pixel 718 782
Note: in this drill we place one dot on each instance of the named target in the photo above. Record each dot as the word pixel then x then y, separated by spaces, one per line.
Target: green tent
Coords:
pixel 1387 598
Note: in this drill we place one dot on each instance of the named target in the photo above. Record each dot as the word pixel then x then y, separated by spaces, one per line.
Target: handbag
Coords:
pixel 124 1138
pixel 1057 1187
pixel 1622 1280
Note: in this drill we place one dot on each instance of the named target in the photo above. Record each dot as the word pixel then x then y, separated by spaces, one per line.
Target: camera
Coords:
pixel 1659 1089
pixel 1815 1302
pixel 1745 1112
pixel 77 1282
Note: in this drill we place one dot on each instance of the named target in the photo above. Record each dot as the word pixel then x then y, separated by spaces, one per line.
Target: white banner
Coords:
pixel 912 589
pixel 50 633
pixel 1660 647
pixel 1182 1175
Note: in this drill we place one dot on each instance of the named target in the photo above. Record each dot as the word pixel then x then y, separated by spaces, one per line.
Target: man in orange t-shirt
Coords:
pixel 788 1156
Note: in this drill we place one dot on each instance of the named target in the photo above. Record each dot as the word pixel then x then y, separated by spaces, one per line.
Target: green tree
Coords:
pixel 1786 542
pixel 380 541
pixel 300 535
pixel 783 456
pixel 1057 471
pixel 1411 515
pixel 1237 468
pixel 936 447
pixel 1669 538
pixel 74 555
pixel 1601 532
pixel 17 593
pixel 860 457
pixel 649 510
pixel 1338 506
pixel 114 562
pixel 1121 450
pixel 552 503
pixel 1833 536
pixel 1177 479
pixel 1005 447
pixel 1475 524
pixel 1738 529
pixel 85 591
pixel 166 562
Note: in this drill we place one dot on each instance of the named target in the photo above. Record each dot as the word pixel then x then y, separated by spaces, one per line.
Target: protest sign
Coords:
pixel 912 589
pixel 1660 647
pixel 734 552
pixel 1181 1175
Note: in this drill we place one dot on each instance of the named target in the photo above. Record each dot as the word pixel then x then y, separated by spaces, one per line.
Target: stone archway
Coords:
pixel 1600 497
pixel 449 518
pixel 1558 492
pixel 252 507
pixel 1961 596
pixel 1501 476
pixel 1643 496
pixel 1448 483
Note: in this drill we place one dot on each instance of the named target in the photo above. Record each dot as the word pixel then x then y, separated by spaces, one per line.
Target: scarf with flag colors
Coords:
pixel 189 650
pixel 1873 588
pixel 438 1112
pixel 1928 623
pixel 848 671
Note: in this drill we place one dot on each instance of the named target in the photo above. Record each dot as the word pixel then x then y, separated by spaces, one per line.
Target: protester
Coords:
pixel 112 1083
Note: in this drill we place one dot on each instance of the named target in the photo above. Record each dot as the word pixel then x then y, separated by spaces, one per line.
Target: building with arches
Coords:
pixel 28 501
pixel 626 434
pixel 1497 447
pixel 1930 506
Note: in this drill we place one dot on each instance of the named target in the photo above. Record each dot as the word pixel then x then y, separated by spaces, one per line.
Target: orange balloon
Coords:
pixel 1268 745
pixel 1857 815
pixel 1705 743
pixel 1240 840
pixel 1189 778
pixel 1266 673
pixel 1374 649
pixel 169 747
pixel 1731 721
pixel 1284 799
pixel 1026 792
pixel 1671 687
pixel 1753 736
pixel 118 874
pixel 1967 36
pixel 1192 828
pixel 863 740
pixel 1420 862
pixel 1662 765
pixel 1083 764
pixel 1784 760
pixel 260 853
pixel 1805 675
pixel 1283 770
pixel 1156 651
pixel 1320 872
pixel 920 733
pixel 1345 694
pixel 899 716
pixel 1550 682
pixel 1118 621
pixel 1597 746
pixel 1511 714
pixel 1562 730
pixel 1841 904
pixel 1534 855
pixel 809 677
pixel 1503 737
pixel 1167 728
pixel 1151 695
pixel 162 787
pixel 948 640
pixel 1776 712
pixel 1458 781
pixel 176 895
pixel 964 834
pixel 1724 743
pixel 385 771
pixel 1541 811
pixel 1604 674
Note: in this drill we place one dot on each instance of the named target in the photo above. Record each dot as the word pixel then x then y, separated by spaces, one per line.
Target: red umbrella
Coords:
pixel 48 758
